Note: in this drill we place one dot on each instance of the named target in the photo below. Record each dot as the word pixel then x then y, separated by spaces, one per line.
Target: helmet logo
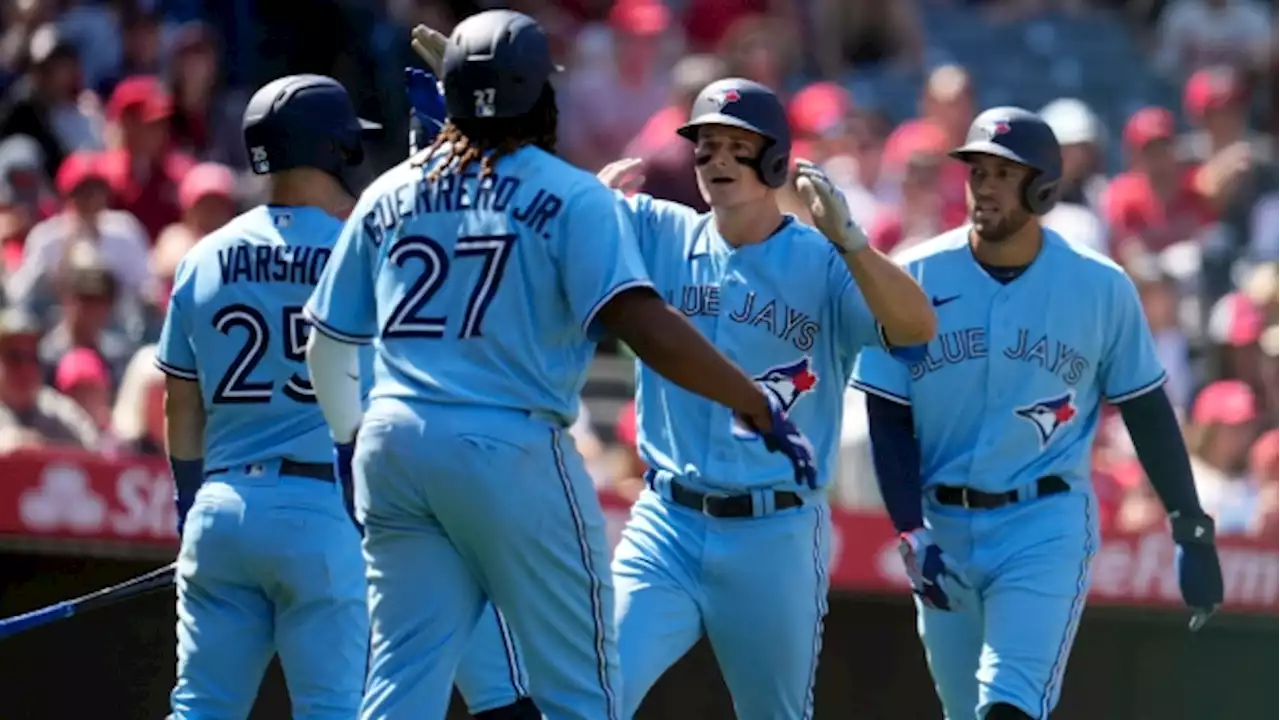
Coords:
pixel 486 105
pixel 998 127
pixel 726 97
pixel 258 158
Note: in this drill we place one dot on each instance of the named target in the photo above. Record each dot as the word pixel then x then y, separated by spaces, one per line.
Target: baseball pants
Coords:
pixel 756 586
pixel 1028 564
pixel 269 564
pixel 462 505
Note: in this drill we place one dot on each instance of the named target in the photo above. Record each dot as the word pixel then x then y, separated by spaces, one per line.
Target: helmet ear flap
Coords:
pixel 773 166
pixel 1038 195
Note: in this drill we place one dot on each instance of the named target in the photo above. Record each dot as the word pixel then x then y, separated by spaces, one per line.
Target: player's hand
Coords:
pixel 829 208
pixel 429 45
pixel 1199 571
pixel 934 576
pixel 626 175
pixel 343 453
pixel 426 99
pixel 782 436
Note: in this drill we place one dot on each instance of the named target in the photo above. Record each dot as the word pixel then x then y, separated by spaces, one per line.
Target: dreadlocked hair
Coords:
pixel 488 140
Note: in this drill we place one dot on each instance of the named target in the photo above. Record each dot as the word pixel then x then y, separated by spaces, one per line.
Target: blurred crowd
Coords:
pixel 120 149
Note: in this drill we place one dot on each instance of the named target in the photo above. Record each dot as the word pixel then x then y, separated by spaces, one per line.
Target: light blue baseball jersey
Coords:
pixel 1011 387
pixel 236 325
pixel 480 291
pixel 786 310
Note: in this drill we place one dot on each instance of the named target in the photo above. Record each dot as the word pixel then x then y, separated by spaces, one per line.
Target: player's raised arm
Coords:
pixel 1133 379
pixel 893 296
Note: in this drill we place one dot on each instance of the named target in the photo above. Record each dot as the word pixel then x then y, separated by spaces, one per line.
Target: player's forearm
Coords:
pixel 895 453
pixel 1157 439
pixel 674 349
pixel 184 419
pixel 893 296
pixel 335 375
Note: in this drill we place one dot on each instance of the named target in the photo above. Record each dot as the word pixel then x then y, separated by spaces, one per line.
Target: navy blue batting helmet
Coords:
pixel 496 65
pixel 1023 137
pixel 303 121
pixel 748 105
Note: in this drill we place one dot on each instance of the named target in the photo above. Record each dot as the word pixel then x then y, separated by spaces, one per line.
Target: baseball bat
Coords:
pixel 157 579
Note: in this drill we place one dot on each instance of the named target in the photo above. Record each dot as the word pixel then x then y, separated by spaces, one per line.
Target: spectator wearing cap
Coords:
pixel 1080 134
pixel 82 376
pixel 121 241
pixel 32 414
pixel 1197 33
pixel 141 167
pixel 206 117
pixel 668 162
pixel 25 196
pixel 87 294
pixel 605 105
pixel 44 103
pixel 1224 425
pixel 1156 203
pixel 915 154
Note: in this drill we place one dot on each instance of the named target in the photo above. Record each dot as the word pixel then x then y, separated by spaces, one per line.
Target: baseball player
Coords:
pixel 723 541
pixel 272 562
pixel 482 270
pixel 993 429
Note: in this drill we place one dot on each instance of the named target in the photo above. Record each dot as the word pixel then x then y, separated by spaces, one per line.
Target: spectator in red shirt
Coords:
pixel 1156 203
pixel 915 154
pixel 142 169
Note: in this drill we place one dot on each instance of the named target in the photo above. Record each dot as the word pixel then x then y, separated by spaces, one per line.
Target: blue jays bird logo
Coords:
pixel 1049 416
pixel 728 96
pixel 787 384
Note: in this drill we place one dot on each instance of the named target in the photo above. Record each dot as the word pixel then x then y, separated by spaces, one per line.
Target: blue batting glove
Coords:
pixel 783 437
pixel 1199 572
pixel 426 100
pixel 342 455
pixel 934 576
pixel 188 475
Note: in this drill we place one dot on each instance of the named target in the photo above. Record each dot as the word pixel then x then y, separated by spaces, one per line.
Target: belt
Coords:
pixel 728 506
pixel 292 468
pixel 972 499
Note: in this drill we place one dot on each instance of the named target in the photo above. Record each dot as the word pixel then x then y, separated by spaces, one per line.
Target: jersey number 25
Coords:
pixel 235 386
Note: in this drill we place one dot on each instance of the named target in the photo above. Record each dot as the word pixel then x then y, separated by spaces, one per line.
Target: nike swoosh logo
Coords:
pixel 939 302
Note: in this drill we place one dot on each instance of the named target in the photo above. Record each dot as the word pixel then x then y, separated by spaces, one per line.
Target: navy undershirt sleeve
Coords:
pixel 1157 439
pixel 896 455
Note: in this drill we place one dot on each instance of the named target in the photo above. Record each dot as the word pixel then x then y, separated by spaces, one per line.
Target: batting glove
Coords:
pixel 783 437
pixel 430 45
pixel 934 577
pixel 829 208
pixel 426 99
pixel 342 456
pixel 1199 572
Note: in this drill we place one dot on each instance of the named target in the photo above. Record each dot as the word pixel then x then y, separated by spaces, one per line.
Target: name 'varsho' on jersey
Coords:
pixel 477 290
pixel 236 325
pixel 786 310
pixel 1025 366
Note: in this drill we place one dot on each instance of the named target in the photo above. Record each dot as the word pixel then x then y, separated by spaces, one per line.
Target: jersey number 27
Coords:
pixel 408 318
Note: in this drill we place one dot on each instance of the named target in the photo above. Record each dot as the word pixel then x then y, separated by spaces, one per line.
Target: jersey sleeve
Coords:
pixel 856 326
pixel 1130 367
pixel 597 256
pixel 175 355
pixel 878 373
pixel 655 222
pixel 342 306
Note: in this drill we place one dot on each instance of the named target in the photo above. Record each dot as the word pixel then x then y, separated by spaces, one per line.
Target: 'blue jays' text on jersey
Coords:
pixel 235 324
pixel 480 291
pixel 786 310
pixel 1011 387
